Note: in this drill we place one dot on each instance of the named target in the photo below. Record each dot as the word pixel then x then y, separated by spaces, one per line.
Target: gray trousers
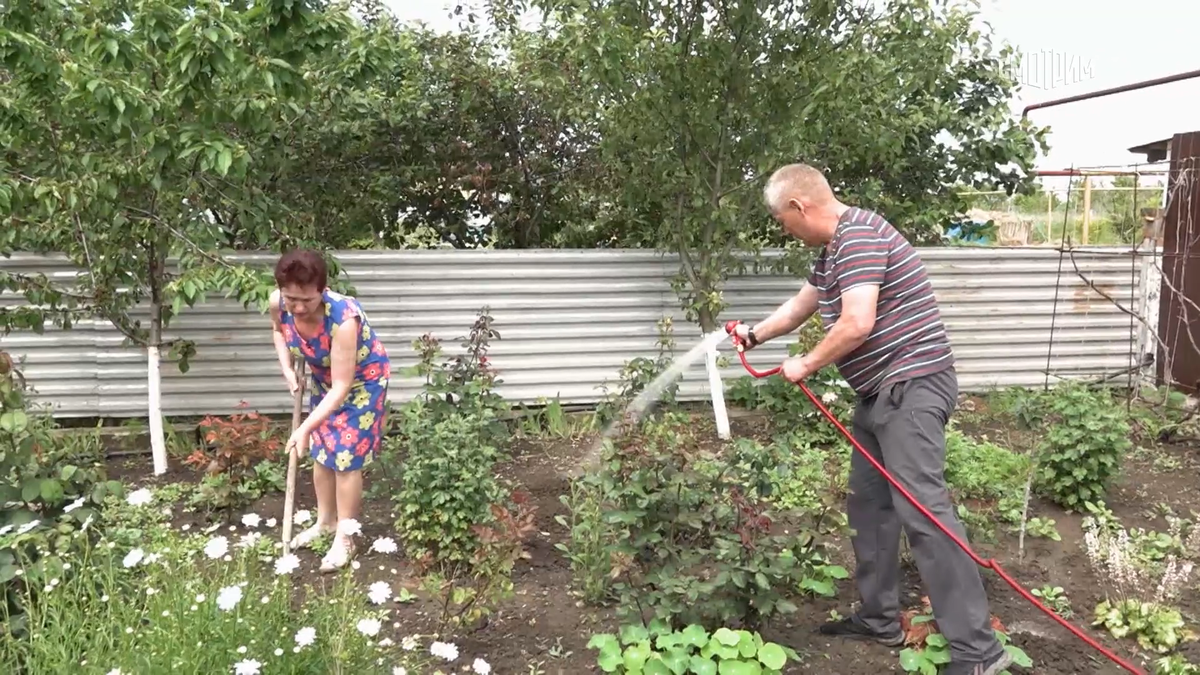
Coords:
pixel 904 427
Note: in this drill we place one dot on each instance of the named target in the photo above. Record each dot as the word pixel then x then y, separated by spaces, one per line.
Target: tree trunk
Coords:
pixel 708 322
pixel 158 443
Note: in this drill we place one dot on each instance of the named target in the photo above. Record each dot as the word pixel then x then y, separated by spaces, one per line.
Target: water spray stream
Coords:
pixel 649 396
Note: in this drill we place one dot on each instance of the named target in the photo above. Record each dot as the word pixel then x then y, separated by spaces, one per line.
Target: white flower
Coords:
pixel 200 598
pixel 271 522
pixel 369 627
pixel 74 505
pixel 115 671
pixel 287 564
pixel 829 397
pixel 306 636
pixel 409 643
pixel 140 497
pixel 216 547
pixel 133 558
pixel 152 558
pixel 481 667
pixel 251 520
pixel 249 539
pixel 379 592
pixel 5 530
pixel 384 545
pixel 349 527
pixel 28 526
pixel 278 652
pixel 247 667
pixel 444 650
pixel 301 517
pixel 399 670
pixel 229 597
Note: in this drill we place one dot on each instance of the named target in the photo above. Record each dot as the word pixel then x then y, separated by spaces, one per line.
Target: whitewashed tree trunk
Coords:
pixel 158 442
pixel 717 390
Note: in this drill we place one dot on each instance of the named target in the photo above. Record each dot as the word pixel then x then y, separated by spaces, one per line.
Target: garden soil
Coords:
pixel 544 629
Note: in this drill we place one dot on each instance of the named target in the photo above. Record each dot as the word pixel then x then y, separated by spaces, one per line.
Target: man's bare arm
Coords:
pixel 790 315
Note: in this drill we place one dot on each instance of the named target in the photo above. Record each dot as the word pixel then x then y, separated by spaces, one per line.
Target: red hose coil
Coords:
pixel 987 564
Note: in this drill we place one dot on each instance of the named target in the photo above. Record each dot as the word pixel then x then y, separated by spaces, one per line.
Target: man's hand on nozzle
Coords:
pixel 745 333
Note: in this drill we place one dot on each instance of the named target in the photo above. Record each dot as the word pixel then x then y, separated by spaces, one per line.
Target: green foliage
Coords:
pixel 147 598
pixel 590 541
pixel 1175 664
pixel 657 650
pixel 451 437
pixel 51 487
pixel 934 653
pixel 692 544
pixel 986 472
pixel 1086 436
pixel 131 134
pixel 1056 599
pixel 701 103
pixel 1156 627
pixel 240 461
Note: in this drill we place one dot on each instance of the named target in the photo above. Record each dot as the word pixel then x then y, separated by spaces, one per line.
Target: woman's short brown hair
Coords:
pixel 302 267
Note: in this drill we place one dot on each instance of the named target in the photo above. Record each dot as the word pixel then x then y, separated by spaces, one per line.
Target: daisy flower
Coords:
pixel 384 545
pixel 287 564
pixel 444 650
pixel 133 558
pixel 140 497
pixel 379 592
pixel 247 667
pixel 216 547
pixel 229 597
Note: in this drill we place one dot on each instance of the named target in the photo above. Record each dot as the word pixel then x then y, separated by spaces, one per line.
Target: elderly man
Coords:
pixel 884 332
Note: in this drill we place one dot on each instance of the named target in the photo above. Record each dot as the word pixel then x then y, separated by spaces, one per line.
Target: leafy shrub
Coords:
pixel 985 471
pixel 691 544
pixel 1086 435
pixel 449 440
pixel 240 459
pixel 51 487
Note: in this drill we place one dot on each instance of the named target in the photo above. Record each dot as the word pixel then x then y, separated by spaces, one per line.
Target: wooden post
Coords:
pixel 1049 215
pixel 289 500
pixel 1087 208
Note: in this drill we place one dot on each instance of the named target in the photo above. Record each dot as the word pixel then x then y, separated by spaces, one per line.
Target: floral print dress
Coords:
pixel 349 439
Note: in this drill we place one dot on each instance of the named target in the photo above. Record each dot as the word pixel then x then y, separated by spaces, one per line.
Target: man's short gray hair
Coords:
pixel 795 180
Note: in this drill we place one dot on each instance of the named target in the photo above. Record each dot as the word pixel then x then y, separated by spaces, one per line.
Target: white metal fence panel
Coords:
pixel 569 320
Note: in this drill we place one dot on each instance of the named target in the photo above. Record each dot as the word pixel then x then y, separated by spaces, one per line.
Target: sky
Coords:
pixel 1069 47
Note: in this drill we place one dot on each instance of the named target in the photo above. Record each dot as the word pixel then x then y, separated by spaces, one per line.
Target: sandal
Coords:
pixel 339 554
pixel 307 537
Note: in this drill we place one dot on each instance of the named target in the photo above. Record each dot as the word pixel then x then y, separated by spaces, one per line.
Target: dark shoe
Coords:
pixel 994 666
pixel 853 629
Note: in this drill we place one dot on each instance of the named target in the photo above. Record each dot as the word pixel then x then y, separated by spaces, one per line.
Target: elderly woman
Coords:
pixel 350 371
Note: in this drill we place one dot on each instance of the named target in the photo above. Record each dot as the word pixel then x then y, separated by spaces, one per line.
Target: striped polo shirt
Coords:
pixel 908 340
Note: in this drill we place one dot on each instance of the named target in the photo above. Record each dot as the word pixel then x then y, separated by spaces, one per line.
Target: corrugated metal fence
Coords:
pixel 570 319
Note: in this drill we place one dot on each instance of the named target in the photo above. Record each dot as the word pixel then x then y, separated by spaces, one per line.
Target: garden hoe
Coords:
pixel 289 499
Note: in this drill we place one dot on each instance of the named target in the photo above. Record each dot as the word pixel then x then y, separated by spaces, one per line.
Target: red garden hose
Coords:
pixel 988 564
